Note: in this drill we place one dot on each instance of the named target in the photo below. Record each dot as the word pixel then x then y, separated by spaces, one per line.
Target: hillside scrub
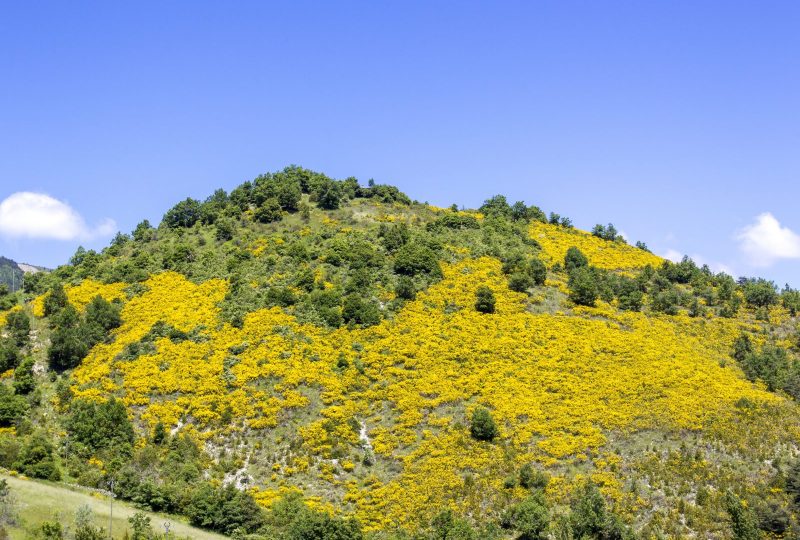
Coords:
pixel 307 356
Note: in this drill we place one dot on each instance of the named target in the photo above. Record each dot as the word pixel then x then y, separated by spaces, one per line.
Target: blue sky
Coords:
pixel 677 121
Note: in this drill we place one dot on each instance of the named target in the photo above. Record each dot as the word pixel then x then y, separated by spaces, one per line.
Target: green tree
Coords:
pixel 405 289
pixel 497 206
pixel 19 327
pixel 520 282
pixel 482 426
pixel 69 342
pixel 760 293
pixel 328 195
pixel 184 214
pixel 269 211
pixel 55 301
pixel 9 354
pixel 743 520
pixel 102 316
pixel 574 259
pixel 583 289
pixel 100 425
pixel 359 311
pixel 24 381
pixel 414 258
pixel 140 523
pixel 537 271
pixel 12 407
pixel 531 517
pixel 791 300
pixel 36 458
pixel 484 299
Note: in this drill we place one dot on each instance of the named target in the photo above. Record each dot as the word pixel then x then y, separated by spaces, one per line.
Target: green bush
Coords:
pixel 760 293
pixel 484 299
pixel 9 354
pixel 520 282
pixel 55 301
pixel 100 425
pixel 583 289
pixel 414 259
pixel 18 325
pixel 482 426
pixel 184 214
pixel 12 407
pixel 574 259
pixel 36 458
pixel 359 311
pixel 24 381
pixel 537 271
pixel 269 211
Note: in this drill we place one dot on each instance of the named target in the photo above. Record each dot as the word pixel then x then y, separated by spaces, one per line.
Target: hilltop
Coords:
pixel 310 358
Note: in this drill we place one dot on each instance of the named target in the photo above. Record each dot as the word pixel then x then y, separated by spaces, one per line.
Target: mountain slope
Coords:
pixel 337 346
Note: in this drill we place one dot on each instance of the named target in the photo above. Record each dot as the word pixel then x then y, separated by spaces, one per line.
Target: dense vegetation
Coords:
pixel 308 358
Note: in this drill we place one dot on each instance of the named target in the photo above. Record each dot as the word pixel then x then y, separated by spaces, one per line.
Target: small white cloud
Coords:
pixel 673 255
pixel 36 215
pixel 766 241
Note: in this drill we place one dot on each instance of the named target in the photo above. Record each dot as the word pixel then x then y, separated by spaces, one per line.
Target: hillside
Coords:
pixel 310 358
pixel 10 274
pixel 36 502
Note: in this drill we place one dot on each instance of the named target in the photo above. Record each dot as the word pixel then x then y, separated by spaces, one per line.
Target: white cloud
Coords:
pixel 36 215
pixel 673 255
pixel 766 241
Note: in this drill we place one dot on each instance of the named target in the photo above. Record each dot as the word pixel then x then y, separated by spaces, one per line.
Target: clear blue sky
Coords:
pixel 679 121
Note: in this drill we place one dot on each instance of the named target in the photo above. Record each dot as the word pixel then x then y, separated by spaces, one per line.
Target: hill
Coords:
pixel 333 361
pixel 37 502
pixel 10 274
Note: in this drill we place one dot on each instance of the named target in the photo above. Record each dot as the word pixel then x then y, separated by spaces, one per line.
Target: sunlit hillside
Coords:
pixel 342 353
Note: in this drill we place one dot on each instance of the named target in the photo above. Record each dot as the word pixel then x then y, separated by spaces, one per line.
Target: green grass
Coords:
pixel 37 502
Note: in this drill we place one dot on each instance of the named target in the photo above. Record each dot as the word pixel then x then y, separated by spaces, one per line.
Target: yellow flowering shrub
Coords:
pixel 558 387
pixel 80 295
pixel 556 240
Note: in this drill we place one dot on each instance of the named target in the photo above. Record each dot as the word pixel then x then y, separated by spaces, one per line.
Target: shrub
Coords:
pixel 405 288
pixel 358 311
pixel 520 282
pixel 583 288
pixel 760 293
pixel 19 327
pixel 55 301
pixel 100 425
pixel 12 407
pixel 36 458
pixel 269 211
pixel 530 518
pixel 24 381
pixel 484 299
pixel 530 478
pixel 743 521
pixel 184 214
pixel 414 259
pixel 538 271
pixel 9 354
pixel 482 426
pixel 574 258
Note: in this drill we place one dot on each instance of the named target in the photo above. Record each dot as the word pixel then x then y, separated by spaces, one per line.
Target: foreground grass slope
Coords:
pixel 294 342
pixel 37 502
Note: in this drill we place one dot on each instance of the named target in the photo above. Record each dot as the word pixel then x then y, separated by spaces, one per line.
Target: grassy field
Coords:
pixel 43 501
